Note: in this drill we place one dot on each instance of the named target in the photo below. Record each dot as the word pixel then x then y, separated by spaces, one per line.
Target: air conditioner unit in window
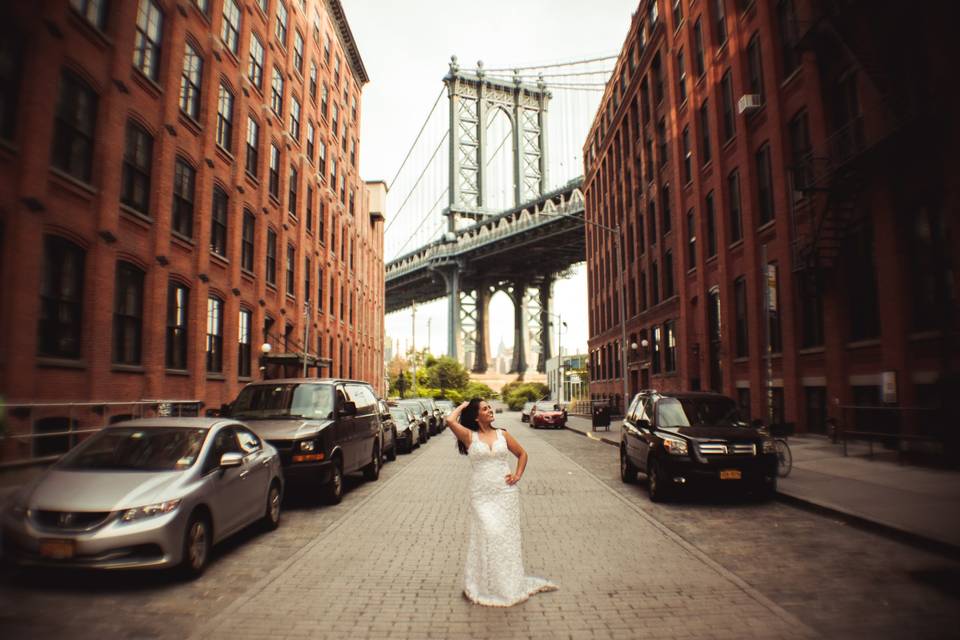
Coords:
pixel 749 102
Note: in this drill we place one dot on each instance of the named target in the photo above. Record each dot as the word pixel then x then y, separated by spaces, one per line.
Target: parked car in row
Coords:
pixel 322 428
pixel 147 493
pixel 408 428
pixel 687 439
pixel 446 407
pixel 423 413
pixel 525 411
pixel 388 431
pixel 545 414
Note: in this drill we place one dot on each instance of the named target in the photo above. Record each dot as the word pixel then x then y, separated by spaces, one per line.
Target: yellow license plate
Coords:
pixel 57 549
pixel 730 474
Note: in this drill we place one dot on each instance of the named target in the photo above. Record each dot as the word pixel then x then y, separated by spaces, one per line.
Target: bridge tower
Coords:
pixel 474 99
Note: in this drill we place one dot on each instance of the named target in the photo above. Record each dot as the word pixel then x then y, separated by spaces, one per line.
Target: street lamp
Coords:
pixel 264 351
pixel 560 326
pixel 618 239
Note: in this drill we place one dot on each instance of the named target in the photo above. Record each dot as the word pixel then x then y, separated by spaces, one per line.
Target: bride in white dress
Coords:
pixel 493 575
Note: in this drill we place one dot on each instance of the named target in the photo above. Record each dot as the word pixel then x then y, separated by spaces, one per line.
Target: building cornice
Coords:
pixel 347 40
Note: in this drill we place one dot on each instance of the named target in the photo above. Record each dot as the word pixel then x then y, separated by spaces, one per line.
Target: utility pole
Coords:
pixel 414 335
pixel 560 357
pixel 306 336
pixel 768 351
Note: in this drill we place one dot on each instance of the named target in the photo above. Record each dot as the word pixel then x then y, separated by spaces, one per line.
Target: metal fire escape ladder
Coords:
pixel 826 185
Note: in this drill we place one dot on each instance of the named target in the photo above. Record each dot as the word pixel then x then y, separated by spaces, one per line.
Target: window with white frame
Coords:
pixel 146 46
pixel 230 30
pixel 224 132
pixel 276 92
pixel 190 81
pixel 255 69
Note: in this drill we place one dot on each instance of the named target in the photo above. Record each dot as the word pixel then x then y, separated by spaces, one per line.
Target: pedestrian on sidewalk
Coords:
pixel 493 575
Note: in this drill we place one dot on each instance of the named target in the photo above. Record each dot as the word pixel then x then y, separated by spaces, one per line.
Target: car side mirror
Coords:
pixel 348 409
pixel 231 459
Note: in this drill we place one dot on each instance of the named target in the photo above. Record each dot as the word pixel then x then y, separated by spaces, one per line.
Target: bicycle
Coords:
pixel 784 457
pixel 779 433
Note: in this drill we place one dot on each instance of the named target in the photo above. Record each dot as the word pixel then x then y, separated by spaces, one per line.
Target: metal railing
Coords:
pixel 18 428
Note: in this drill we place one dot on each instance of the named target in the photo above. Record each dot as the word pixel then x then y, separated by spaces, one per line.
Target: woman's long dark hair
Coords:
pixel 468 418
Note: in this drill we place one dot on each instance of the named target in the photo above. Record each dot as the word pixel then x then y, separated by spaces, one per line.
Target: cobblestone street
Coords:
pixel 387 563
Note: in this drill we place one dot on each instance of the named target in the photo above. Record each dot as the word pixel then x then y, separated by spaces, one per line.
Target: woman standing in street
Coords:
pixel 494 574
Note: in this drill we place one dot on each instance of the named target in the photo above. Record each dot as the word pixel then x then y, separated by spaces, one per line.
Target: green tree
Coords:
pixel 446 373
pixel 472 390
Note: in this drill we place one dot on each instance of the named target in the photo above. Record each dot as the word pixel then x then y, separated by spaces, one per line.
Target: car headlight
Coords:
pixel 675 446
pixel 769 445
pixel 18 509
pixel 150 510
pixel 308 445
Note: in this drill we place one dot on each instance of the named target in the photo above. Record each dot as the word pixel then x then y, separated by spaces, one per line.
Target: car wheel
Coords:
pixel 372 471
pixel 628 473
pixel 271 519
pixel 767 491
pixel 655 482
pixel 333 490
pixel 392 453
pixel 197 542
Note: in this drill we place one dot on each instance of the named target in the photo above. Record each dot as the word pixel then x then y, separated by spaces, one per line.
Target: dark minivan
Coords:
pixel 691 438
pixel 321 427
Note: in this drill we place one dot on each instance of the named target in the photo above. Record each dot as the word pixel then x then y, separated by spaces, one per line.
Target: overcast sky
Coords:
pixel 406 48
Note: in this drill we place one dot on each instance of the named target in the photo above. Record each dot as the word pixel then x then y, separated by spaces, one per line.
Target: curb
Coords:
pixel 899 534
pixel 589 434
pixel 911 538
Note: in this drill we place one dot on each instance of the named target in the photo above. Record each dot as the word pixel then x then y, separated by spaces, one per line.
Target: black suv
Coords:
pixel 321 427
pixel 691 438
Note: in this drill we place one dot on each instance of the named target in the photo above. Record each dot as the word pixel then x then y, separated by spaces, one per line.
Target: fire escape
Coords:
pixel 828 180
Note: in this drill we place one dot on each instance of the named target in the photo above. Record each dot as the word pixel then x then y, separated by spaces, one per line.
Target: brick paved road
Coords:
pixel 842 581
pixel 387 563
pixel 621 574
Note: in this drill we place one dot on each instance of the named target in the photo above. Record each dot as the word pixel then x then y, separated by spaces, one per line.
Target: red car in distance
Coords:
pixel 545 415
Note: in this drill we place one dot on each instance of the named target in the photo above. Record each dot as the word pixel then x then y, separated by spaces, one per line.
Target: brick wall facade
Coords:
pixel 858 216
pixel 43 194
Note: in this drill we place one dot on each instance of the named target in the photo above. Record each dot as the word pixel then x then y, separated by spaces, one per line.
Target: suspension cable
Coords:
pixel 504 76
pixel 409 151
pixel 396 216
pixel 558 64
pixel 447 190
pixel 422 221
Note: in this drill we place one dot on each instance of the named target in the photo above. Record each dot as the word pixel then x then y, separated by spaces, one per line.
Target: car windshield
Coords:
pixel 528 406
pixel 286 400
pixel 686 412
pixel 414 406
pixel 399 415
pixel 137 449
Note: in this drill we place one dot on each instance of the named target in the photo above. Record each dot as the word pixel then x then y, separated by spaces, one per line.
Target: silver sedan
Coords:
pixel 146 493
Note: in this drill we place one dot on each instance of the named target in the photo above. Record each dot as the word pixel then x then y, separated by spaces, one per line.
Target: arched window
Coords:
pixel 128 314
pixel 61 294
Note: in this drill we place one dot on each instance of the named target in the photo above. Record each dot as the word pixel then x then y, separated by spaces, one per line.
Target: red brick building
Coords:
pixel 782 176
pixel 179 185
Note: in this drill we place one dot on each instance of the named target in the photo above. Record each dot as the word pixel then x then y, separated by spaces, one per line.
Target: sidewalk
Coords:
pixel 917 503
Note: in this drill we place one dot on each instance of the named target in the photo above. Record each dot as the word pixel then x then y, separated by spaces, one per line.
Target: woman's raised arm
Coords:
pixel 453 421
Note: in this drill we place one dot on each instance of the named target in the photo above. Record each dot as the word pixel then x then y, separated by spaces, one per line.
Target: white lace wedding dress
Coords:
pixel 494 571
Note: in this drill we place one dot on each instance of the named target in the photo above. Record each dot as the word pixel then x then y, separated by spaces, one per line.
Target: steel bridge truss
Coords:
pixel 474 100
